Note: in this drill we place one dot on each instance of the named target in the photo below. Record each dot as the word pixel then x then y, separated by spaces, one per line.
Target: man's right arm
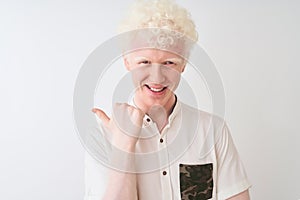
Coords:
pixel 102 182
pixel 122 180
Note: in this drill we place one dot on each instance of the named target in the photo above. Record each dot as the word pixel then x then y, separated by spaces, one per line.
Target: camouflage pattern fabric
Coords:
pixel 196 181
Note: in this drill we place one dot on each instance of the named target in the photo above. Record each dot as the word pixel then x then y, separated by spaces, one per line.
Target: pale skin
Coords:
pixel 154 90
pixel 115 188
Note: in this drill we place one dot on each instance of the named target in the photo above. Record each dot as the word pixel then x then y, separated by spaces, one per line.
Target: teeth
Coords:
pixel 156 89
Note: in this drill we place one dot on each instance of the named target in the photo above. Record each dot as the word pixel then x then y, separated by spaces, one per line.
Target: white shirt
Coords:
pixel 194 155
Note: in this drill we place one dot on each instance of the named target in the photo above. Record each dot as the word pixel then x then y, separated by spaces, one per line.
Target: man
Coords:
pixel 161 147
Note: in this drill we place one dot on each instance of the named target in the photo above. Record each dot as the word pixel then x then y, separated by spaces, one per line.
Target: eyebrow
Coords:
pixel 175 60
pixel 140 58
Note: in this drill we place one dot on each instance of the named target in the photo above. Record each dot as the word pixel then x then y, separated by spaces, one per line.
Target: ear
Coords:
pixel 182 70
pixel 126 62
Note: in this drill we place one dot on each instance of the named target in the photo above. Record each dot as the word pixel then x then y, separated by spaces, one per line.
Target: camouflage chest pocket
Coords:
pixel 196 181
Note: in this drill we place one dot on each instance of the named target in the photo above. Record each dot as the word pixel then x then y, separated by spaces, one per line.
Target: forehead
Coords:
pixel 155 54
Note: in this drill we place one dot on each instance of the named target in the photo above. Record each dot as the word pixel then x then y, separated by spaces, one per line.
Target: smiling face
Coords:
pixel 156 74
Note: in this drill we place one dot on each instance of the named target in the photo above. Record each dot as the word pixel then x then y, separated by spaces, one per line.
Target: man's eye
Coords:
pixel 169 63
pixel 145 62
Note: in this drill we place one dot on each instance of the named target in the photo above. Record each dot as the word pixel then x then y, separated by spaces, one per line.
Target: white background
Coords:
pixel 254 44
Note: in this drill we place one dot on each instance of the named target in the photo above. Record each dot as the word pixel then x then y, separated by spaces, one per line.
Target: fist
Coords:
pixel 125 125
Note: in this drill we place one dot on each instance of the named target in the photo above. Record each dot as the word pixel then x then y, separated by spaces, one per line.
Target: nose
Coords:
pixel 156 74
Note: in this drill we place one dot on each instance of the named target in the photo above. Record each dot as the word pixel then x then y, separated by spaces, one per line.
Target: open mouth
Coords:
pixel 156 90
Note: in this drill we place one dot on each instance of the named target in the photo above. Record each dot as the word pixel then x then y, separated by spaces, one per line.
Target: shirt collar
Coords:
pixel 175 110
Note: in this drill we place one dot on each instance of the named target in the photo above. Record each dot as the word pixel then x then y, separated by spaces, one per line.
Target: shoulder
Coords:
pixel 208 128
pixel 205 119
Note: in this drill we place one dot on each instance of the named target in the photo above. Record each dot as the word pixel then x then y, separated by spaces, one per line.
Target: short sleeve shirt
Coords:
pixel 193 157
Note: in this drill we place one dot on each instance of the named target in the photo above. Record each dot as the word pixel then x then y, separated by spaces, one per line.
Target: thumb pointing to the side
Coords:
pixel 102 115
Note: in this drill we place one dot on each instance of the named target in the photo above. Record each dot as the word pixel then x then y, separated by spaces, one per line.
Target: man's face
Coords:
pixel 156 74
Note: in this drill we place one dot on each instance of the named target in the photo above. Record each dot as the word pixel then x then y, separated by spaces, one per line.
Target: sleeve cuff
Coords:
pixel 234 190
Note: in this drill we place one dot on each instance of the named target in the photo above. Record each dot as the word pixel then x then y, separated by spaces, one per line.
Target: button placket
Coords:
pixel 165 177
pixel 162 142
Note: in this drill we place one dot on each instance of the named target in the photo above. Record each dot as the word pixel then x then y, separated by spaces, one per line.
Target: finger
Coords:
pixel 102 115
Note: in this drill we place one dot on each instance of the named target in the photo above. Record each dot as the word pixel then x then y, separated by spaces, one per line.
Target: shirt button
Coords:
pixel 148 120
pixel 161 140
pixel 164 173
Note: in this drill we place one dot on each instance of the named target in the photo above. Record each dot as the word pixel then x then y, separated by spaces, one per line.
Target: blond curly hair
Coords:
pixel 164 14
